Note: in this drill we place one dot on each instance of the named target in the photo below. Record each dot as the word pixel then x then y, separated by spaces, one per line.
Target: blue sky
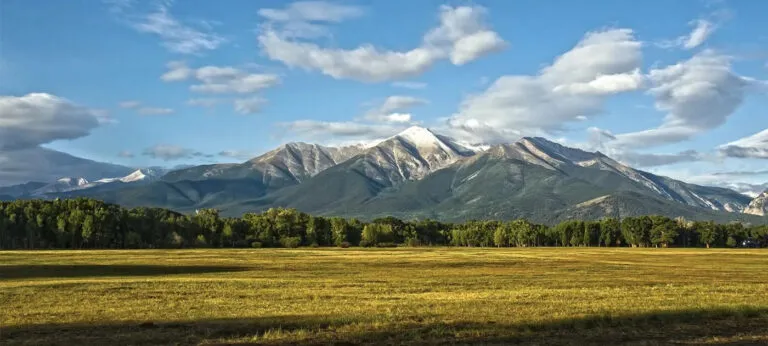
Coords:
pixel 675 87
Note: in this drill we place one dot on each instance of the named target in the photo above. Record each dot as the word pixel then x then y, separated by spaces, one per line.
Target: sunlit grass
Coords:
pixel 432 295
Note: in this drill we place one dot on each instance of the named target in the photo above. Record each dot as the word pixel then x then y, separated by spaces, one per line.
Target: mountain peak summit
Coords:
pixel 418 135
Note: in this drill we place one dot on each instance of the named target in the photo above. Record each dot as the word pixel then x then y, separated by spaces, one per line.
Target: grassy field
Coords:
pixel 390 296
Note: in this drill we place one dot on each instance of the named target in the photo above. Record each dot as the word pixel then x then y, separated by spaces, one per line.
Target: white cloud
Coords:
pixel 574 86
pixel 464 35
pixel 242 84
pixel 154 111
pixel 391 110
pixel 129 104
pixel 754 146
pixel 176 36
pixel 223 80
pixel 383 120
pixel 39 118
pixel 606 84
pixel 342 132
pixel 299 19
pixel 220 79
pixel 177 71
pixel 167 152
pixel 461 37
pixel 249 105
pixel 698 95
pixel 410 85
pixel 700 33
pixel 365 63
pixel 397 118
pixel 701 30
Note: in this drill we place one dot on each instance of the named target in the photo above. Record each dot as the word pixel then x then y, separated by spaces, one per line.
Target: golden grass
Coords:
pixel 394 296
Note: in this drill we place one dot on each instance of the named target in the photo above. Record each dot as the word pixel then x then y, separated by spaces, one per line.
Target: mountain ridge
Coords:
pixel 424 174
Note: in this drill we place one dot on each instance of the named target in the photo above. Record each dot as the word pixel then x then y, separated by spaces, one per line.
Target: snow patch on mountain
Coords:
pixel 62 185
pixel 68 184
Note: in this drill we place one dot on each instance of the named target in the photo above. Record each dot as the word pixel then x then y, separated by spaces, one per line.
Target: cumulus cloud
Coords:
pixel 34 119
pixel 175 35
pixel 605 84
pixel 754 146
pixel 698 95
pixel 574 86
pixel 461 37
pixel 168 152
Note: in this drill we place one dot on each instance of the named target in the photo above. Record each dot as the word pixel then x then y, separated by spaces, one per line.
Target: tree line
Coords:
pixel 87 223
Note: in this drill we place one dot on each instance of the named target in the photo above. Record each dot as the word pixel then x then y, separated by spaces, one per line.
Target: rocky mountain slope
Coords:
pixel 532 178
pixel 759 205
pixel 287 165
pixel 419 173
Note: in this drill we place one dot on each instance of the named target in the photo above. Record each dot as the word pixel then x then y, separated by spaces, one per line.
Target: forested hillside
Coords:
pixel 87 223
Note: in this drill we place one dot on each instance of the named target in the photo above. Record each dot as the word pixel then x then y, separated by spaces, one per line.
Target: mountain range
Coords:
pixel 418 174
pixel 45 165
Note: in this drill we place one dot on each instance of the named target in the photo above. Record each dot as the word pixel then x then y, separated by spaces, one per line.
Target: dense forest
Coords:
pixel 87 223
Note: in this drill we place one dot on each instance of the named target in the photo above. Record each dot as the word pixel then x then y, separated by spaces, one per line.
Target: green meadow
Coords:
pixel 385 296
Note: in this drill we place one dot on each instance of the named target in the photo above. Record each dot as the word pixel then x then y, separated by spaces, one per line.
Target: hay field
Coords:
pixel 385 296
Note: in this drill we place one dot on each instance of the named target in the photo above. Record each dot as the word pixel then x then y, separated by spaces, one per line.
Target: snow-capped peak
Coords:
pixel 419 136
pixel 135 176
pixel 426 141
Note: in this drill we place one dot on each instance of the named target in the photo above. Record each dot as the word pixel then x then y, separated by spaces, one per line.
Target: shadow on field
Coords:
pixel 76 271
pixel 718 327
